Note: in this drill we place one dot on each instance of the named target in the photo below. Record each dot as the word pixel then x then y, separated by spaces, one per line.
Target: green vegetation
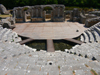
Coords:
pixel 94 73
pixel 73 72
pixel 12 40
pixel 58 67
pixel 38 44
pixel 47 8
pixel 62 45
pixel 4 16
pixel 79 3
pixel 25 9
pixel 58 45
pixel 86 65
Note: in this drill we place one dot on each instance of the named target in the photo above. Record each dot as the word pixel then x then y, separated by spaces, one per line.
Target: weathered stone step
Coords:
pixel 86 37
pixel 91 38
pixel 97 30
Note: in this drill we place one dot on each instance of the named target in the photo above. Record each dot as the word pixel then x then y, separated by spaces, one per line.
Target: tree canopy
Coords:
pixel 79 3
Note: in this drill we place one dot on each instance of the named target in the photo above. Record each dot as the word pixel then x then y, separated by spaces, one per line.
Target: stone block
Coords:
pixel 37 19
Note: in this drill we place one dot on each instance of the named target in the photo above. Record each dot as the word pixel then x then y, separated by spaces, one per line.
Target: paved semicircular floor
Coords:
pixel 49 30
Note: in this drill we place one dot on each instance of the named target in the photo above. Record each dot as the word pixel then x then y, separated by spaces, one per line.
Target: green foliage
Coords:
pixel 94 73
pixel 48 8
pixel 86 65
pixel 58 67
pixel 12 40
pixel 79 3
pixel 71 8
pixel 25 9
pixel 4 16
pixel 73 71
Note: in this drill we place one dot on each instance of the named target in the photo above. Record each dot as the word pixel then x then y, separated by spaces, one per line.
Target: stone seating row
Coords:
pixel 7 35
pixel 8 22
pixel 92 34
pixel 13 49
pixel 88 50
pixel 20 59
pixel 95 12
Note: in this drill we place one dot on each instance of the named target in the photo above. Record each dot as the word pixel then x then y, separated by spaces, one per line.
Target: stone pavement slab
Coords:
pixel 50 30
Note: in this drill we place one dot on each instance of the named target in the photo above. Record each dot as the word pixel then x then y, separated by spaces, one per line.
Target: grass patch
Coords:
pixel 4 16
pixel 25 9
pixel 93 72
pixel 62 45
pixel 71 8
pixel 12 40
pixel 38 44
pixel 59 67
pixel 86 65
pixel 47 8
pixel 86 9
pixel 73 72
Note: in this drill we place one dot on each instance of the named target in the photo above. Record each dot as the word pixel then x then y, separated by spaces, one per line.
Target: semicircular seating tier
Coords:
pixel 92 34
pixel 8 22
pixel 19 59
pixel 7 35
pixel 87 50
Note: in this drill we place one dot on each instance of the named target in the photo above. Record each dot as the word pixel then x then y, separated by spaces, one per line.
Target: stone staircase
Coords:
pixel 16 59
pixel 7 35
pixel 92 34
pixel 88 50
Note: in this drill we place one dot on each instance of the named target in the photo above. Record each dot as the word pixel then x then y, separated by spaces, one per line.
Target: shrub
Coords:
pixel 25 9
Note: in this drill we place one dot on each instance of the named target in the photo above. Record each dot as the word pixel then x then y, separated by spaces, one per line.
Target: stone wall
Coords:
pixel 81 17
pixel 38 14
pixel 74 15
pixel 18 14
pixel 92 21
pixel 58 13
pixel 95 12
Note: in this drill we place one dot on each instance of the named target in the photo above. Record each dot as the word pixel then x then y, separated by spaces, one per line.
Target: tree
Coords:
pixel 79 3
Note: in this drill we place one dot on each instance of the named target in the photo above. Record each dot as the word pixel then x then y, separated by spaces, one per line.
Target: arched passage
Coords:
pixel 48 11
pixel 26 13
